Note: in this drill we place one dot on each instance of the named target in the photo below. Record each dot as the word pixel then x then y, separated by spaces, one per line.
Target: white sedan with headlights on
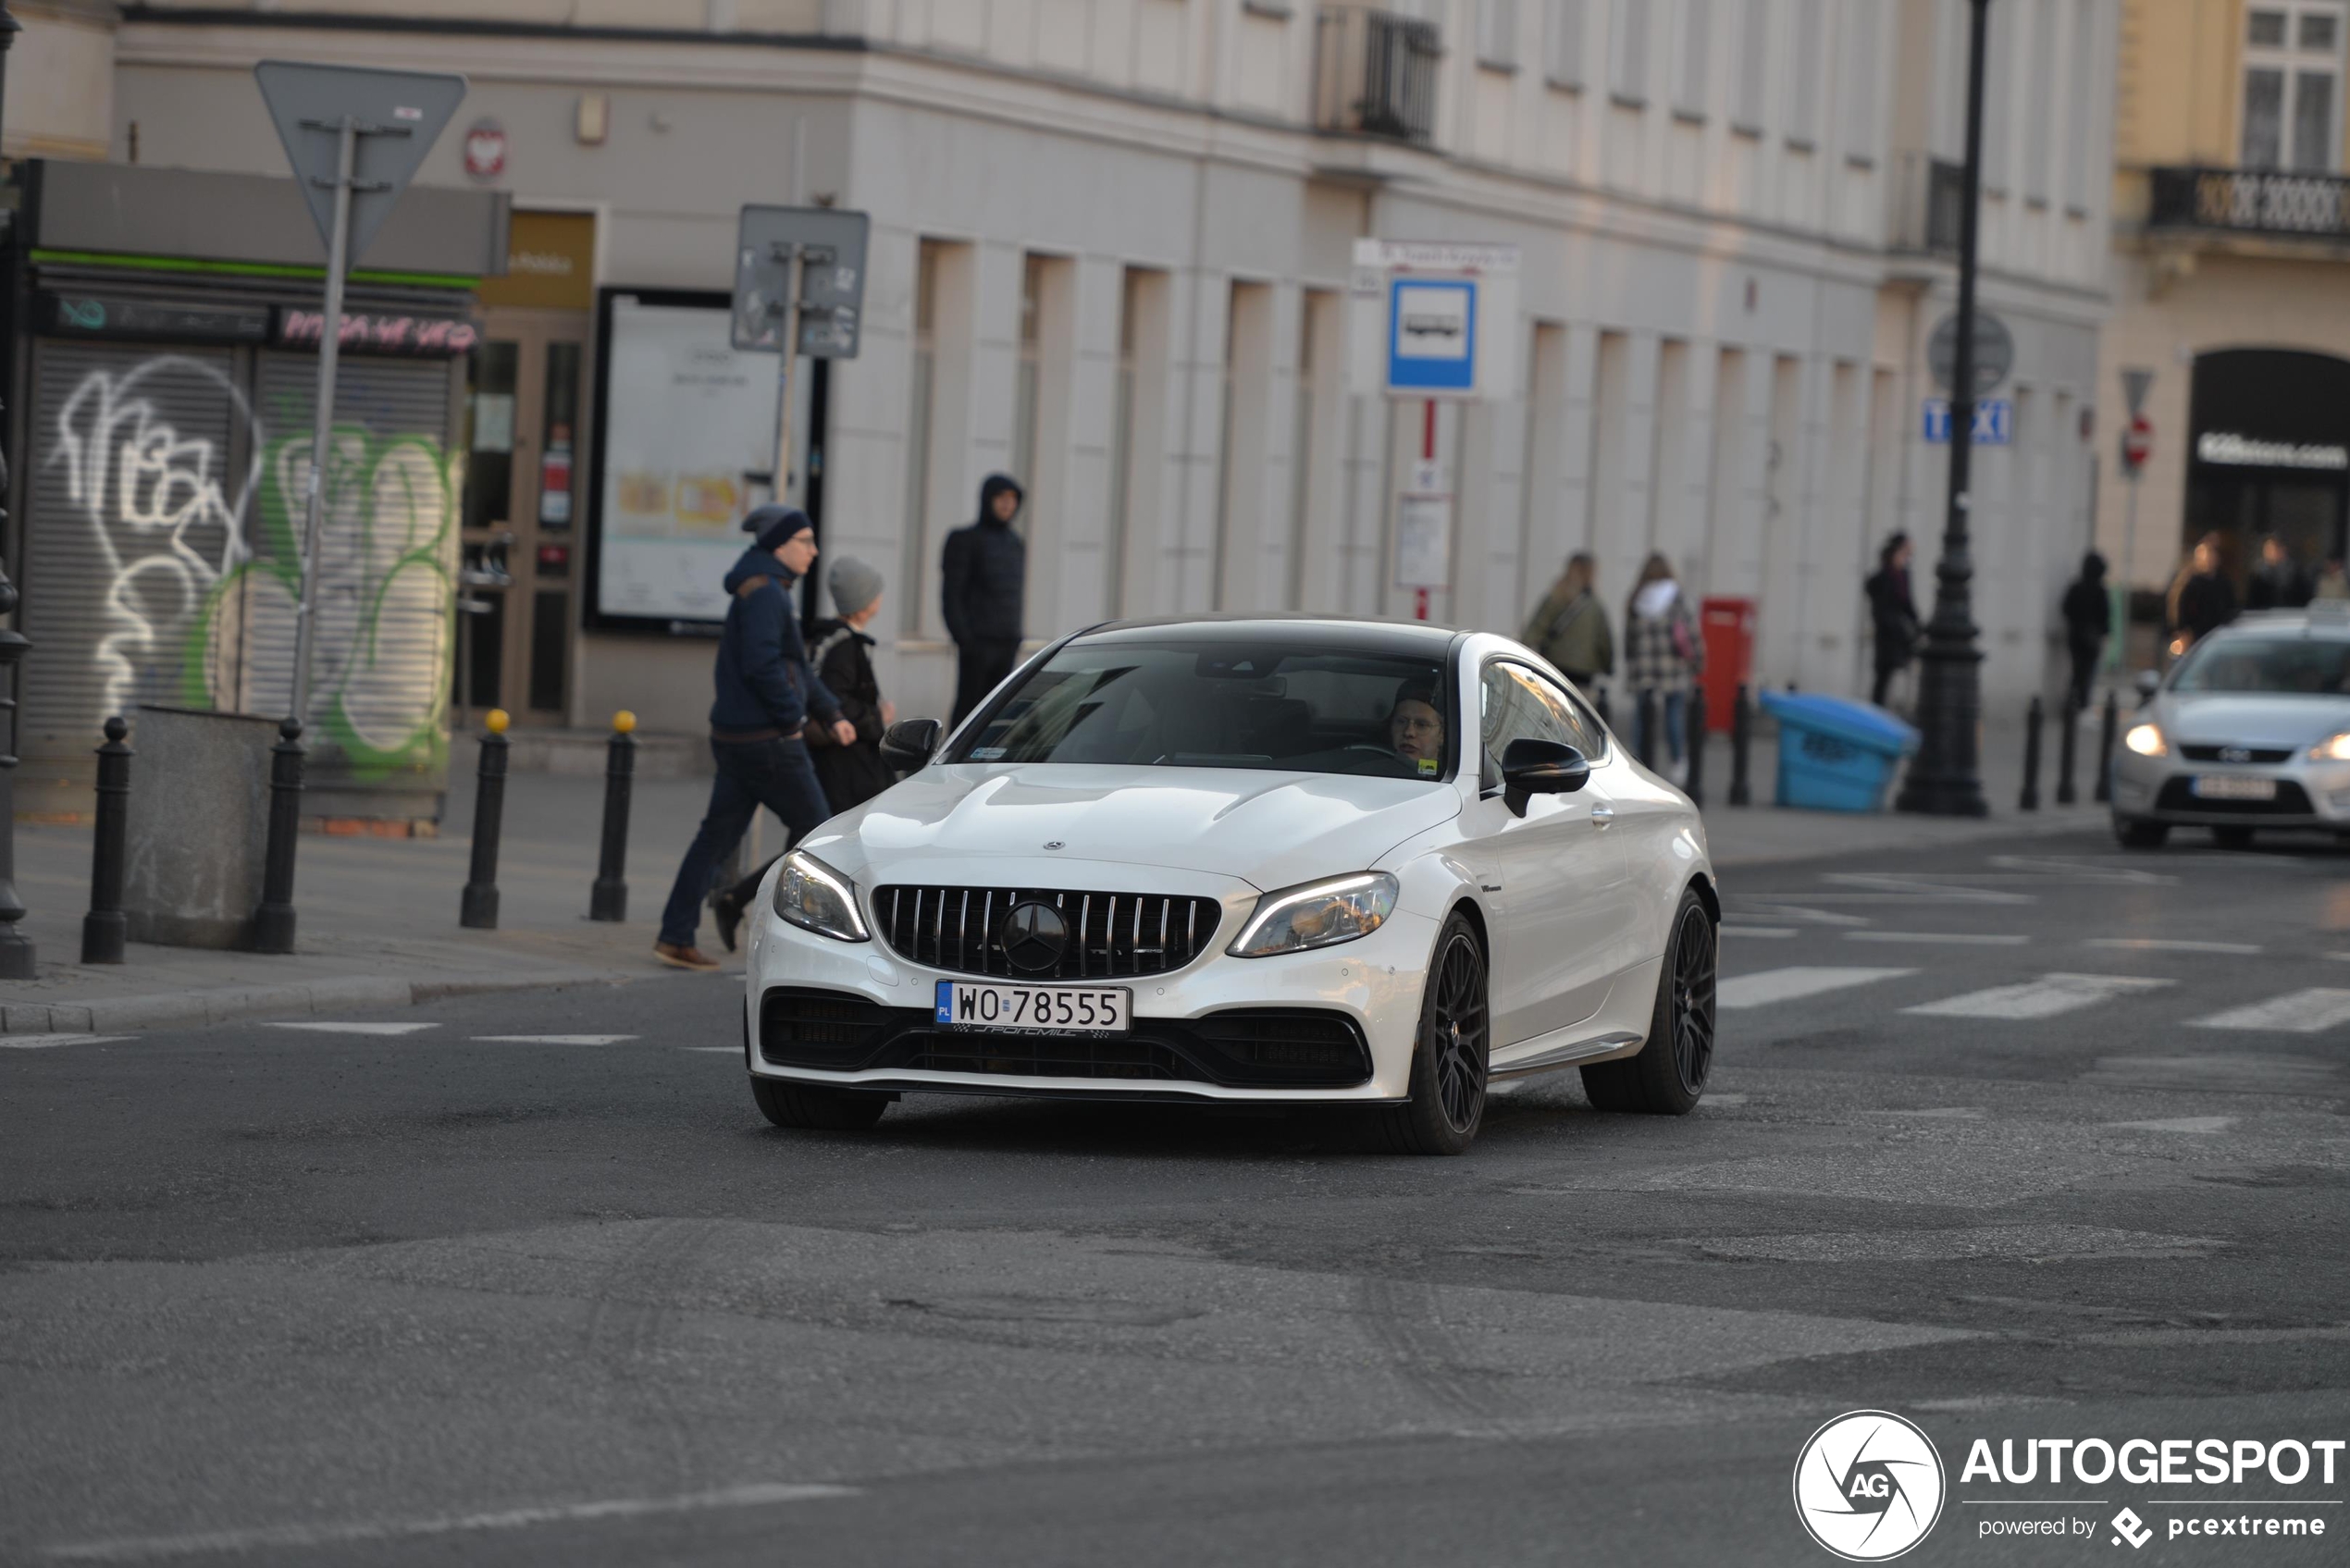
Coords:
pixel 1263 861
pixel 2250 731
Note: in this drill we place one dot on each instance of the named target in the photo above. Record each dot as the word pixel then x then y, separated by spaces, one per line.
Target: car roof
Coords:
pixel 1415 639
pixel 2328 620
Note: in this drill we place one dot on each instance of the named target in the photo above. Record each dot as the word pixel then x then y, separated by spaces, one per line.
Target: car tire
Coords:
pixel 2232 839
pixel 1668 1074
pixel 2136 833
pixel 829 1110
pixel 1451 1053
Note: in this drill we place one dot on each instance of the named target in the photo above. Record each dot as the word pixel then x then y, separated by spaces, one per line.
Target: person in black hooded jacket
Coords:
pixel 983 572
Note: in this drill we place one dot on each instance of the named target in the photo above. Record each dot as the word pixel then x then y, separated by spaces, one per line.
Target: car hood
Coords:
pixel 1268 829
pixel 2249 719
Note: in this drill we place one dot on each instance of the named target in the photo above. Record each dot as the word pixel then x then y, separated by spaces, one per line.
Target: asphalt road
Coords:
pixel 292 1294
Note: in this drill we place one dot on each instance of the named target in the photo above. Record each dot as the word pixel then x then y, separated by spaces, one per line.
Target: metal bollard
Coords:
pixel 2067 743
pixel 1695 789
pixel 608 900
pixel 1644 729
pixel 2032 719
pixel 478 908
pixel 1741 737
pixel 105 928
pixel 273 923
pixel 2105 749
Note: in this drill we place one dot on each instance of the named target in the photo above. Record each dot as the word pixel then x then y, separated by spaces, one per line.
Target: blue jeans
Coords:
pixel 774 773
pixel 1673 706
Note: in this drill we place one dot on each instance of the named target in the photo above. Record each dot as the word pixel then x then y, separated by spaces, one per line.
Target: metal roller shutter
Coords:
pixel 386 562
pixel 139 463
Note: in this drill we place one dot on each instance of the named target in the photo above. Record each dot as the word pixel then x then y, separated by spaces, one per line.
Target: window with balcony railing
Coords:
pixel 1375 73
pixel 2250 201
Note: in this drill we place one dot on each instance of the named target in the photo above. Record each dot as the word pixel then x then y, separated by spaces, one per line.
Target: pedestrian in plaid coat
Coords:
pixel 1662 656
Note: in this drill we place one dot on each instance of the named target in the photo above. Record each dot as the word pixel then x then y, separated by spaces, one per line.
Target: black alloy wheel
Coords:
pixel 1668 1073
pixel 1449 1054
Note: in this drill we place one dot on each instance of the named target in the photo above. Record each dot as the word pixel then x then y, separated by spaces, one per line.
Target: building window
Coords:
pixel 1998 96
pixel 1121 442
pixel 1690 62
pixel 918 425
pixel 2079 176
pixel 1629 51
pixel 1805 49
pixel 2040 106
pixel 1031 290
pixel 1862 67
pixel 1311 304
pixel 1754 65
pixel 1497 34
pixel 2293 86
pixel 1563 43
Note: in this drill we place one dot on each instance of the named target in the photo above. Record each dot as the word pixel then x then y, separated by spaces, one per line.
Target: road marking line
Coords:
pixel 45 1042
pixel 357 1028
pixel 730 1050
pixel 2169 944
pixel 134 1548
pixel 556 1039
pixel 2180 1124
pixel 2295 1012
pixel 2041 998
pixel 1774 909
pixel 1786 985
pixel 1975 938
pixel 1758 930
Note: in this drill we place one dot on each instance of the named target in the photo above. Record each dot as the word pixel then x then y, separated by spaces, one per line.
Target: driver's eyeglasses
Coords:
pixel 1420 726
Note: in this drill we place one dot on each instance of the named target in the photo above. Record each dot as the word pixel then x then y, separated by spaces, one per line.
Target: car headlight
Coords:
pixel 813 896
pixel 1319 914
pixel 2146 740
pixel 2334 748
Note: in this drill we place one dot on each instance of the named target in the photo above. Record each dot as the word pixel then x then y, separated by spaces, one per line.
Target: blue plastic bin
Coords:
pixel 1836 754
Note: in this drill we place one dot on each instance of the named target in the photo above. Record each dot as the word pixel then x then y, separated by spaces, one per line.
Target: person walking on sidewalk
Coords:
pixel 854 773
pixel 1569 627
pixel 2202 599
pixel 984 573
pixel 1662 656
pixel 2278 583
pixel 1893 614
pixel 766 694
pixel 2088 619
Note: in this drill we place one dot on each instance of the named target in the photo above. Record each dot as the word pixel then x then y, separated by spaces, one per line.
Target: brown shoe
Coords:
pixel 686 957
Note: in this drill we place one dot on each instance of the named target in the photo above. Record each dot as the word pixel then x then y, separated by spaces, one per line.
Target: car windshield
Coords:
pixel 1195 703
pixel 2304 666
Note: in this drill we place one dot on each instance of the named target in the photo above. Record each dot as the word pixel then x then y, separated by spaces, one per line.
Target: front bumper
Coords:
pixel 2161 789
pixel 1211 1031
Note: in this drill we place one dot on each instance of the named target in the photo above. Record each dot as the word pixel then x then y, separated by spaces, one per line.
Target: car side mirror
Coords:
pixel 907 744
pixel 1532 767
pixel 2148 682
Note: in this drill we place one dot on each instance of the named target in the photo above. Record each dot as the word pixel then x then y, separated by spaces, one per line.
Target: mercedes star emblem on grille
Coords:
pixel 1035 937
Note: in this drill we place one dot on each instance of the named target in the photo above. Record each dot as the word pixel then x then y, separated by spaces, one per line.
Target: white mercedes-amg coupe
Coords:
pixel 1265 860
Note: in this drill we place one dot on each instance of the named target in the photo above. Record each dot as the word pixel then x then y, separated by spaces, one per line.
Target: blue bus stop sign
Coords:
pixel 1431 335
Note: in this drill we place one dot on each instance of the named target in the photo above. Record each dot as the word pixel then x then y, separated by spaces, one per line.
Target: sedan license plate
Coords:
pixel 1035 1009
pixel 2234 786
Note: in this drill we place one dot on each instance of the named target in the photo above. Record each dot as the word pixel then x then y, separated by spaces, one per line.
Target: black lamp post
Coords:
pixel 15 948
pixel 1945 780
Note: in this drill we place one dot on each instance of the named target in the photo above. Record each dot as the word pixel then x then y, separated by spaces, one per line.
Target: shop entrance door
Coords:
pixel 522 441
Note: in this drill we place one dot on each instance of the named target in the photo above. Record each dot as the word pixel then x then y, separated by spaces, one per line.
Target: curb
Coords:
pixel 108 1014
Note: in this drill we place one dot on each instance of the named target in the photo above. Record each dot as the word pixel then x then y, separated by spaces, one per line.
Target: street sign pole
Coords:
pixel 346 129
pixel 794 264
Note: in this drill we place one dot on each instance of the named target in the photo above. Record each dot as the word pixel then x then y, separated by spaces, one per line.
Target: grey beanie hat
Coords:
pixel 854 584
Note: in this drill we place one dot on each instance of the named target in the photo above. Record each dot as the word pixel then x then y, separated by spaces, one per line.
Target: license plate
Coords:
pixel 1035 1009
pixel 2234 786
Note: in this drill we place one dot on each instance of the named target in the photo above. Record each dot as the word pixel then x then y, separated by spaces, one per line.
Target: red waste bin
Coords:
pixel 1728 628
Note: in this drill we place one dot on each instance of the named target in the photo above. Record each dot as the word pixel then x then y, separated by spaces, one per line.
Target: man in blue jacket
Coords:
pixel 766 693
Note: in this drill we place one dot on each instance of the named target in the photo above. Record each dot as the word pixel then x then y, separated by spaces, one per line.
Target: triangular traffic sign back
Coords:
pixel 398 115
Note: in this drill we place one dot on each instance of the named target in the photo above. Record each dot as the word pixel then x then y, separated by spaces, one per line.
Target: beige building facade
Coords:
pixel 2230 282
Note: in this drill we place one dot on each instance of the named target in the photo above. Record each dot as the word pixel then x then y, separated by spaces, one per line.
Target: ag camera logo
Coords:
pixel 1869 1485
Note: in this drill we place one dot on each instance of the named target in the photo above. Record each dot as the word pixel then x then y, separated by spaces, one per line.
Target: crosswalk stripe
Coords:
pixel 45 1042
pixel 1957 938
pixel 1758 930
pixel 2041 998
pixel 2169 945
pixel 555 1039
pixel 358 1028
pixel 1786 985
pixel 2295 1012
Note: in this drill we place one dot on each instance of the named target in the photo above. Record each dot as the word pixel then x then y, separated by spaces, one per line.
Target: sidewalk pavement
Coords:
pixel 377 917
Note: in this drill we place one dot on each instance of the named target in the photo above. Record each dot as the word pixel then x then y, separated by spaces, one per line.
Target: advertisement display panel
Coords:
pixel 687 433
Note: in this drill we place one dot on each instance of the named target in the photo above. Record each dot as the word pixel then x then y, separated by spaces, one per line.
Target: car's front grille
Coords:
pixel 2236 753
pixel 1109 935
pixel 2179 795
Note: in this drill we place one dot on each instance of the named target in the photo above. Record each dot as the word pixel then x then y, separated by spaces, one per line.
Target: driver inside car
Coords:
pixel 1416 728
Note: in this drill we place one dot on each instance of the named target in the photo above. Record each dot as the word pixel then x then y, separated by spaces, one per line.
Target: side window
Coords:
pixel 1519 705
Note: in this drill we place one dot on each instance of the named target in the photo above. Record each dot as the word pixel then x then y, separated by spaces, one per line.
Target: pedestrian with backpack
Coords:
pixel 1569 627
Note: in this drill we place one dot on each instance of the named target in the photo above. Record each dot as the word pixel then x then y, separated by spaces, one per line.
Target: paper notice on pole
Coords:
pixel 1423 541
